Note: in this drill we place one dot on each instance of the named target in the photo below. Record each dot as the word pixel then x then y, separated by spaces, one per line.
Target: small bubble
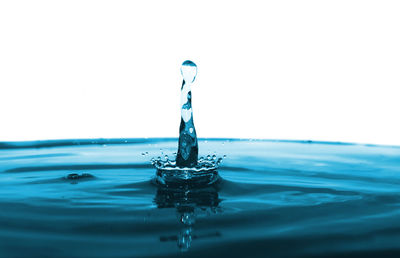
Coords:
pixel 224 156
pixel 208 157
pixel 166 157
pixel 214 157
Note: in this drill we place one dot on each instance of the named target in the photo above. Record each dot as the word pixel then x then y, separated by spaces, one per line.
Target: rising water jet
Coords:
pixel 187 169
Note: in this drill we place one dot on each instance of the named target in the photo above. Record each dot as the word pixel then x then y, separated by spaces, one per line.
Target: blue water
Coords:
pixel 187 155
pixel 97 198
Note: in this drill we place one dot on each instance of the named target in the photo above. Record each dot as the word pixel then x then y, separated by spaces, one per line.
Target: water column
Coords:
pixel 188 148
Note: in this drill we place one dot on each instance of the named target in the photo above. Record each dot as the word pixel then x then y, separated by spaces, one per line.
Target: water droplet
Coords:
pixel 208 157
pixel 189 71
pixel 166 157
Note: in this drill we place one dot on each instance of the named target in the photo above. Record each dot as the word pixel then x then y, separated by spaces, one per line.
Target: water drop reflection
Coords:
pixel 188 203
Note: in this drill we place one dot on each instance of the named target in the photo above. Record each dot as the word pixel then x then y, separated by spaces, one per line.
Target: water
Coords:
pixel 97 198
pixel 187 147
pixel 187 170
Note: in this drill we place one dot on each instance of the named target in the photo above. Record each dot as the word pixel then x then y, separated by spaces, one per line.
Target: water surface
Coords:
pixel 96 198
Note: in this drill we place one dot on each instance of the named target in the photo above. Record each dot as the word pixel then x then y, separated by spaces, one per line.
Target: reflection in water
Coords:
pixel 188 202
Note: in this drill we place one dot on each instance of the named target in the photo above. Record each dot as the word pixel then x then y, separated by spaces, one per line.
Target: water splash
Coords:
pixel 188 148
pixel 187 168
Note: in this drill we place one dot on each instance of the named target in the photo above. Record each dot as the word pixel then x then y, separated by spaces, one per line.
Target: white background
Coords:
pixel 318 70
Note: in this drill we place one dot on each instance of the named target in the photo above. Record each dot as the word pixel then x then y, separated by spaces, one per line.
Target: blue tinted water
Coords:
pixel 96 198
pixel 188 150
